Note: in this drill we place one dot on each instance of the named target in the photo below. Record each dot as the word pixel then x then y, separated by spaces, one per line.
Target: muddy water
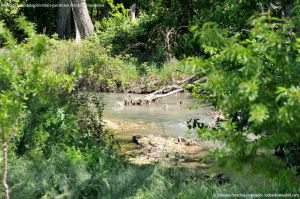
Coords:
pixel 166 117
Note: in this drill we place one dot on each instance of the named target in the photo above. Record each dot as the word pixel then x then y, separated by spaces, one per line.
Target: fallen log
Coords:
pixel 163 92
pixel 153 98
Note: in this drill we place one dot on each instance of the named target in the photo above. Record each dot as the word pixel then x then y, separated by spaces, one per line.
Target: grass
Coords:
pixel 155 181
pixel 103 72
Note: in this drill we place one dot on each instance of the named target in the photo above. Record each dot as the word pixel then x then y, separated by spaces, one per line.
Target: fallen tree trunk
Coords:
pixel 163 92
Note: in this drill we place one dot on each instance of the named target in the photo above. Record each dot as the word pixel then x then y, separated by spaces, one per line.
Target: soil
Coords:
pixel 171 151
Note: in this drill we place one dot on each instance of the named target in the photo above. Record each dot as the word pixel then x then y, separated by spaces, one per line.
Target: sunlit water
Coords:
pixel 168 115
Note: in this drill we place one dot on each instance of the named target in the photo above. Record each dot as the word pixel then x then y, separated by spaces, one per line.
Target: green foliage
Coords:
pixel 98 70
pixel 161 28
pixel 125 36
pixel 55 136
pixel 89 111
pixel 57 144
pixel 6 38
pixel 152 36
pixel 106 73
pixel 27 27
pixel 169 73
pixel 255 81
pixel 70 173
pixel 10 13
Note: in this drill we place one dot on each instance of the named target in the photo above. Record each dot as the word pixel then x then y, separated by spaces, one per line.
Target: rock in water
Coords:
pixel 135 139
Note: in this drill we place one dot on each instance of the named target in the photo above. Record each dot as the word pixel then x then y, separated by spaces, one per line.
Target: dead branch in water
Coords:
pixel 163 92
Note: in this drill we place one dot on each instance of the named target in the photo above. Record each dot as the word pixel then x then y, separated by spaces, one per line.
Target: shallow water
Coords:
pixel 167 117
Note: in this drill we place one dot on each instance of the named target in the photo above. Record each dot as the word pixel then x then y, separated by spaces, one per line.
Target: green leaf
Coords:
pixel 258 113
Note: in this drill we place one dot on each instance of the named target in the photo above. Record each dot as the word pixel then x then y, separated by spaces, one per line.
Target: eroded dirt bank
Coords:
pixel 149 148
pixel 171 151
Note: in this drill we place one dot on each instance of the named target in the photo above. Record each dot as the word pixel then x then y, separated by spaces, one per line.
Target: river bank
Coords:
pixel 149 148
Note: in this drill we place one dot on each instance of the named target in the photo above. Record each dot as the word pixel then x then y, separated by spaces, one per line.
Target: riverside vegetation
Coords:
pixel 53 138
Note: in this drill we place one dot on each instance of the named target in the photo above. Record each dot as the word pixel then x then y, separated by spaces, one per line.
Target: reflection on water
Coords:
pixel 169 114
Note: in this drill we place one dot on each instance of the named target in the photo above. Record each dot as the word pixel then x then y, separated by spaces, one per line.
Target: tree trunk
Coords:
pixel 64 19
pixel 132 11
pixel 5 169
pixel 82 18
pixel 5 164
pixel 77 33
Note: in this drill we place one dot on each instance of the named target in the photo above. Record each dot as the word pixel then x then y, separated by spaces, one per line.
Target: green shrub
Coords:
pixel 55 136
pixel 98 71
pixel 255 81
pixel 169 73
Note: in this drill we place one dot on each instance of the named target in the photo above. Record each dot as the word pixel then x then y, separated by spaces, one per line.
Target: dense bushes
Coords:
pixel 161 30
pixel 55 135
pixel 254 79
pixel 98 70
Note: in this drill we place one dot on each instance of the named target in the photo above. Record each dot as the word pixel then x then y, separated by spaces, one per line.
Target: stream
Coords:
pixel 166 117
pixel 161 128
